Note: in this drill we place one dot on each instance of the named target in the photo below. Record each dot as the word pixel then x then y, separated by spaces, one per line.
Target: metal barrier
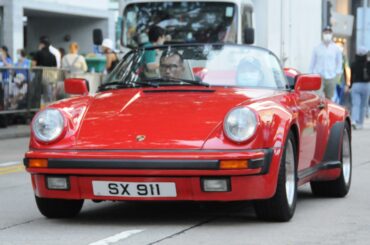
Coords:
pixel 27 90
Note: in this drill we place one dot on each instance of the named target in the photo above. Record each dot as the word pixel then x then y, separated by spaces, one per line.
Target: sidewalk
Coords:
pixel 15 131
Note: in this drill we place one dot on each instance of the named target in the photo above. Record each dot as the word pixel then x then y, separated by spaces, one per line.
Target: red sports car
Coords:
pixel 211 122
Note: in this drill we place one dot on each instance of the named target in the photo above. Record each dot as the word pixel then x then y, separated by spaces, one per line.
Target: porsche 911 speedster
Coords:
pixel 194 122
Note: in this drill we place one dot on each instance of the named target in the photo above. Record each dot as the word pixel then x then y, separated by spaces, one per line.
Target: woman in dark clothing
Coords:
pixel 360 87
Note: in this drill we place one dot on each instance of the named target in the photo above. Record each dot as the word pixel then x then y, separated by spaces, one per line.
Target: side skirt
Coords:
pixel 302 174
pixel 331 157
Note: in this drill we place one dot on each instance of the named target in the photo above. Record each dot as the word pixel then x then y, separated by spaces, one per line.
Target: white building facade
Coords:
pixel 23 22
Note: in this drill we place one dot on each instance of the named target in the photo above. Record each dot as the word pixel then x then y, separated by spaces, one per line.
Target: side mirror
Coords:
pixel 248 35
pixel 76 86
pixel 291 75
pixel 308 82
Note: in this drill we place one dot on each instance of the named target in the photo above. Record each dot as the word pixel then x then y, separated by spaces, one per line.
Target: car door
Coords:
pixel 309 107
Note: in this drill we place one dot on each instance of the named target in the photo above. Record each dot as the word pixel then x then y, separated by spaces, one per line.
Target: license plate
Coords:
pixel 134 189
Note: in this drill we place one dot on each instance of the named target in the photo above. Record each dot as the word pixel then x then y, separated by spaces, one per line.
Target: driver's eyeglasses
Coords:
pixel 169 66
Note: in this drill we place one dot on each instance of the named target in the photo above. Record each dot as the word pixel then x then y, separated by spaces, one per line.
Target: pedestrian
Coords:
pixel 54 51
pixel 74 62
pixel 43 56
pixel 62 52
pixel 327 61
pixel 110 55
pixel 22 60
pixel 360 87
pixel 151 58
pixel 5 59
pixel 344 82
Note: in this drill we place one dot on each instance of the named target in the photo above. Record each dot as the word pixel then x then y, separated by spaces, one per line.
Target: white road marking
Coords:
pixel 6 164
pixel 116 238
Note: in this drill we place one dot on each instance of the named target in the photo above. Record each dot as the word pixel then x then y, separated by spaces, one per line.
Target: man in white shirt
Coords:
pixel 327 61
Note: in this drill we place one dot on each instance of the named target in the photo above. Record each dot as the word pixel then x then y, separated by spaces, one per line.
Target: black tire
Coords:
pixel 339 187
pixel 58 208
pixel 278 208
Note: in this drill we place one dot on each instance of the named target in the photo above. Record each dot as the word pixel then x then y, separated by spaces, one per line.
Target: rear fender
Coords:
pixel 334 143
pixel 332 155
pixel 338 117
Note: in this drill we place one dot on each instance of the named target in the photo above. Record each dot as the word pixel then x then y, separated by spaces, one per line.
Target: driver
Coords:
pixel 249 73
pixel 171 64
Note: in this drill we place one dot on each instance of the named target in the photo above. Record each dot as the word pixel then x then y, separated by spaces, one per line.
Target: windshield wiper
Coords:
pixel 176 80
pixel 106 85
pixel 121 84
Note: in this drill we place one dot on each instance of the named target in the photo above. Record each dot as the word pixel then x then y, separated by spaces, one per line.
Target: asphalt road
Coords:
pixel 316 221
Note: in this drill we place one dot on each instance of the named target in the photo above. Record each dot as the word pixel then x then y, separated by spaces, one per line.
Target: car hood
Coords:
pixel 161 118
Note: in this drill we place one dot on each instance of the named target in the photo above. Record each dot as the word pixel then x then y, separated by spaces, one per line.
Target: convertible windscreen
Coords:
pixel 198 65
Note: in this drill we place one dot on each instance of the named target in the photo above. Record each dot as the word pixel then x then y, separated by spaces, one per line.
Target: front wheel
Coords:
pixel 282 205
pixel 58 208
pixel 340 186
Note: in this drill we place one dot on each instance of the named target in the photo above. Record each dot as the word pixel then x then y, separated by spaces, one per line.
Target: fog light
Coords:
pixel 57 182
pixel 216 184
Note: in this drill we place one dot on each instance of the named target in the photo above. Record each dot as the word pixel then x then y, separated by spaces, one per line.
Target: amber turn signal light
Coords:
pixel 38 163
pixel 233 164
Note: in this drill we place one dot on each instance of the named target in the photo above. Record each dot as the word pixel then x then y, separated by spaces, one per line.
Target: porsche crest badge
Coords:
pixel 140 138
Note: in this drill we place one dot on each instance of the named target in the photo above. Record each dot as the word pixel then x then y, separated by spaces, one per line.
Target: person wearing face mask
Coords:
pixel 328 62
pixel 249 73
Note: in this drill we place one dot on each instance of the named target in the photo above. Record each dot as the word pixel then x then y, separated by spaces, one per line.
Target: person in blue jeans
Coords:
pixel 360 87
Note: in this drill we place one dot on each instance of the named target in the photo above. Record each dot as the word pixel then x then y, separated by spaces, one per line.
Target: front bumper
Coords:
pixel 184 168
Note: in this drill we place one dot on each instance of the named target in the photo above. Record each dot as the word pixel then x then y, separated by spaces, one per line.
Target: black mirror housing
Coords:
pixel 248 35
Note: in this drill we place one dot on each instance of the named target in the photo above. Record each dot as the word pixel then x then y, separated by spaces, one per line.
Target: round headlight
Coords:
pixel 48 125
pixel 240 124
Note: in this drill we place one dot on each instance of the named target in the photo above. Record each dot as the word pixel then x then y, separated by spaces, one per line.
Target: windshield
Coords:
pixel 206 22
pixel 203 64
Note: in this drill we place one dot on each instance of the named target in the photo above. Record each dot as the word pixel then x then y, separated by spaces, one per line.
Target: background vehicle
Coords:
pixel 216 123
pixel 291 29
